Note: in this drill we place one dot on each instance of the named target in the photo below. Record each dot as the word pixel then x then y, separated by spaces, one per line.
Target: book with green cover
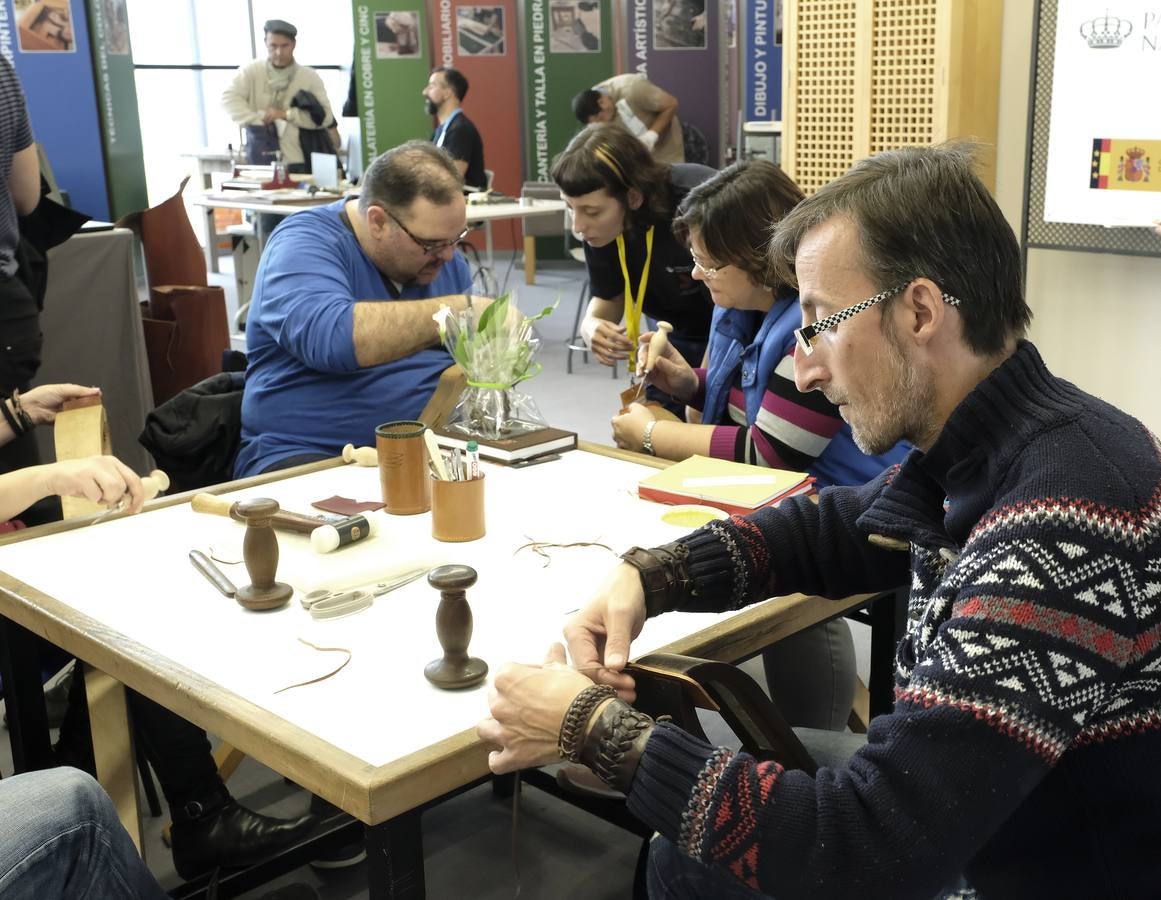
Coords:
pixel 736 487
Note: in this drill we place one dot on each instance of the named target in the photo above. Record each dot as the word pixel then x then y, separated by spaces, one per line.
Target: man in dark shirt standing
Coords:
pixel 455 133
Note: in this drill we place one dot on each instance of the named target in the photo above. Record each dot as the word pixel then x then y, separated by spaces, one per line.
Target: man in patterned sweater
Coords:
pixel 1021 754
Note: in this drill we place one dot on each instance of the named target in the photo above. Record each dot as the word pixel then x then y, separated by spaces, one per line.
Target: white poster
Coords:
pixel 1104 143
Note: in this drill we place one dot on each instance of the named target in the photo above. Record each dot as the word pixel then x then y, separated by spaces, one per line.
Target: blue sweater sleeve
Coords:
pixel 307 291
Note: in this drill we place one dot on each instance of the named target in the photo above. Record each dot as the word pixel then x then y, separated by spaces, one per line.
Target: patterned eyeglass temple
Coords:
pixel 807 334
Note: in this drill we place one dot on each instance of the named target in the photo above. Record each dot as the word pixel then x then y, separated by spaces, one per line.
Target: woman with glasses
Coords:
pixel 623 204
pixel 751 410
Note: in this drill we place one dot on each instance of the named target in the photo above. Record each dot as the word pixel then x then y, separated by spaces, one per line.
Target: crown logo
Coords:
pixel 1134 153
pixel 1106 32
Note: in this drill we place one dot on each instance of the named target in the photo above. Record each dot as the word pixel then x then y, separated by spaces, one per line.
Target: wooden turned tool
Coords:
pixel 260 553
pixel 154 483
pixel 453 626
pixel 657 345
pixel 361 456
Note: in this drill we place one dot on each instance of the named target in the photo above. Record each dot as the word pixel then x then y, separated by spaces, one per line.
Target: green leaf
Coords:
pixel 497 311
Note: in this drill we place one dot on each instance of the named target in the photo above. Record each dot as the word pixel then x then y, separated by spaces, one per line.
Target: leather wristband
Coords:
pixel 615 742
pixel 663 577
pixel 572 728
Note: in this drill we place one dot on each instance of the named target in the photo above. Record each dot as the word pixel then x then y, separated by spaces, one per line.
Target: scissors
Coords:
pixel 328 604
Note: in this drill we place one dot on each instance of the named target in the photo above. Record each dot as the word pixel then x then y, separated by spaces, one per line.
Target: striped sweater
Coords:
pixel 1023 747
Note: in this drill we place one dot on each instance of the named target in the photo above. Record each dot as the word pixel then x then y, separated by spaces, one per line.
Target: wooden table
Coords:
pixel 376 739
pixel 483 213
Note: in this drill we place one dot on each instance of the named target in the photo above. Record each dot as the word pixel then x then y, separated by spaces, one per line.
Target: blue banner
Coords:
pixel 50 50
pixel 762 66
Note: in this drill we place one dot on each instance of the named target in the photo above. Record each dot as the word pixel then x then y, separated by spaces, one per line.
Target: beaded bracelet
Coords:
pixel 576 720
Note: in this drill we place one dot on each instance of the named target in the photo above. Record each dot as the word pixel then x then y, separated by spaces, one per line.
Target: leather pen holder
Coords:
pixel 457 509
pixel 403 467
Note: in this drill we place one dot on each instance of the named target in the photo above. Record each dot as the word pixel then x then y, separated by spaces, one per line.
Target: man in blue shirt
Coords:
pixel 340 335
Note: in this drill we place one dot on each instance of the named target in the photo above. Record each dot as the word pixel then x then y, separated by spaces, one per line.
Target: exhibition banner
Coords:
pixel 762 61
pixel 117 106
pixel 49 48
pixel 568 47
pixel 676 45
pixel 479 40
pixel 392 62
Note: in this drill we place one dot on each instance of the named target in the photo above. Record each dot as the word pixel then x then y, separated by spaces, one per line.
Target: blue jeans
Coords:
pixel 59 837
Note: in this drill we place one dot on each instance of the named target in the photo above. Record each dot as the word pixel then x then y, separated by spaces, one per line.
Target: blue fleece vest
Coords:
pixel 745 347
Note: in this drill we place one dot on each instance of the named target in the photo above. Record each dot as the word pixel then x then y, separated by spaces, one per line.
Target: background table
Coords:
pixel 376 739
pixel 483 213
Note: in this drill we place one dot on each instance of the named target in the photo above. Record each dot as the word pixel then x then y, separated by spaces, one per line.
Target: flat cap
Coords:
pixel 278 26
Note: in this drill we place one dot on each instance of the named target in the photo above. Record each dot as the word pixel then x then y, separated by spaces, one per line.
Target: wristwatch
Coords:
pixel 647 437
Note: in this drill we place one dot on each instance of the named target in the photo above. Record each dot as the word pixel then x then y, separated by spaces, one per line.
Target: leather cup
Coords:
pixel 457 509
pixel 403 467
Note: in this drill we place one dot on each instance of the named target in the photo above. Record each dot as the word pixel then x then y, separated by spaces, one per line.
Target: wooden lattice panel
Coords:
pixel 903 73
pixel 863 76
pixel 824 91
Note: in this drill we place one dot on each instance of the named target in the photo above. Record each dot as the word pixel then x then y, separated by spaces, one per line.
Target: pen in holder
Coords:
pixel 457 509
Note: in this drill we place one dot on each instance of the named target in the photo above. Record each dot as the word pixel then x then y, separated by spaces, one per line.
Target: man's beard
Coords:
pixel 905 414
pixel 431 108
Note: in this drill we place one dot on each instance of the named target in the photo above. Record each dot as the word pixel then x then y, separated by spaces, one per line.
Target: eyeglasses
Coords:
pixel 428 247
pixel 808 334
pixel 709 273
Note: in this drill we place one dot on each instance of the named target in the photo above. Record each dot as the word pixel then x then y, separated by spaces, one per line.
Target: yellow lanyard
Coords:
pixel 633 309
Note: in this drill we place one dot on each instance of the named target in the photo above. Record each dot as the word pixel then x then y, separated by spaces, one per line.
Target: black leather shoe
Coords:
pixel 224 833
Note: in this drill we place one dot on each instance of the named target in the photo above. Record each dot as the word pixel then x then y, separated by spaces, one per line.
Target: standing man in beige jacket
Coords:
pixel 260 98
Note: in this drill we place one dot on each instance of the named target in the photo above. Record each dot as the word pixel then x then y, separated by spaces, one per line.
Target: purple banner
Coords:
pixel 676 45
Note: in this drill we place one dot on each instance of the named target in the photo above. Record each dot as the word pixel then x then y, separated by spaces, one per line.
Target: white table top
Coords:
pixel 123 590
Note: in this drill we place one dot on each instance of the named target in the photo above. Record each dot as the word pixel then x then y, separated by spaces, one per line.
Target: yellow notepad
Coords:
pixel 733 486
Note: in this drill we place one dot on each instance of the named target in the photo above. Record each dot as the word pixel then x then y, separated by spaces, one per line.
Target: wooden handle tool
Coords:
pixel 282 520
pixel 361 456
pixel 657 345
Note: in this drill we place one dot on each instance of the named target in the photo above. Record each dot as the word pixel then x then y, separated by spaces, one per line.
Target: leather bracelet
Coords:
pixel 663 576
pixel 13 422
pixel 576 720
pixel 614 744
pixel 24 417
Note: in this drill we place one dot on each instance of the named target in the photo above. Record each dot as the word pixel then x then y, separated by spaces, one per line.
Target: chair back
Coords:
pixel 663 687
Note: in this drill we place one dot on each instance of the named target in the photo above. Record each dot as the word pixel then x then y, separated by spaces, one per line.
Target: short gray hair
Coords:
pixel 416 169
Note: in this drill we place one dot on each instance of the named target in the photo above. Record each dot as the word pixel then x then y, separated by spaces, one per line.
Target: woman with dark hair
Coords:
pixel 623 203
pixel 751 410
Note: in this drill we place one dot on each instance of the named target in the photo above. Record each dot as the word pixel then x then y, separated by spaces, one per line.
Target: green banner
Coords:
pixel 117 107
pixel 392 65
pixel 568 46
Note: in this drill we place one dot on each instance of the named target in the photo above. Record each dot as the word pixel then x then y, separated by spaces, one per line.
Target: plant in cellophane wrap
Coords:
pixel 494 345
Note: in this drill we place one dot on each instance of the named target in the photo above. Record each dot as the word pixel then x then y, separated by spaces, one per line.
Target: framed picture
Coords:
pixel 397 34
pixel 480 30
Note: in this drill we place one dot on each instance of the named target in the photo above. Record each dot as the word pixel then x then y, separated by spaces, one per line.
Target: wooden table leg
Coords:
pixel 395 858
pixel 529 259
pixel 113 747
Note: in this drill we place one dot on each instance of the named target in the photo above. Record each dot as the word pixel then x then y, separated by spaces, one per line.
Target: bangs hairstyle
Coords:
pixel 735 213
pixel 922 212
pixel 607 156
